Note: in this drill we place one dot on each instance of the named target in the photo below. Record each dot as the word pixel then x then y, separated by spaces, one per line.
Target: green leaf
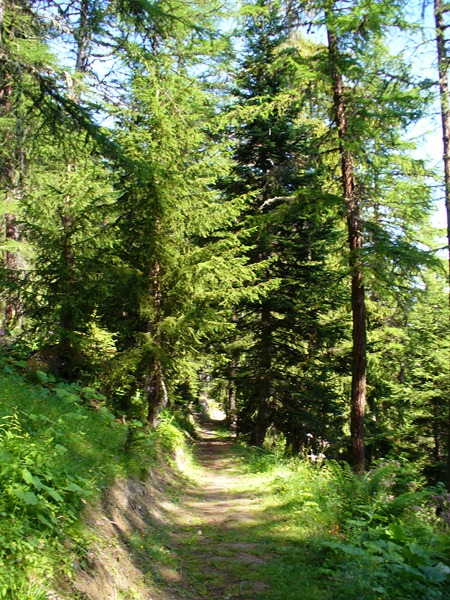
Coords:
pixel 73 487
pixel 28 497
pixel 32 479
pixel 43 520
pixel 54 494
pixel 42 376
pixel 27 476
pixel 20 363
pixel 437 574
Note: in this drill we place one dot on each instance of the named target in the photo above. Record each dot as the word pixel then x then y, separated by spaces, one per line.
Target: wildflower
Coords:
pixel 309 435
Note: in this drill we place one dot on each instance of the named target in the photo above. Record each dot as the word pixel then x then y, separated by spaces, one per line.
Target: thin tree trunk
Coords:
pixel 232 392
pixel 262 420
pixel 2 17
pixel 443 65
pixel 82 37
pixel 155 385
pixel 358 389
pixel 232 398
pixel 156 393
pixel 68 321
pixel 11 180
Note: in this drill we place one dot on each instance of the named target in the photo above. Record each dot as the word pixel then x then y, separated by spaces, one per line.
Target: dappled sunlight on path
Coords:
pixel 216 526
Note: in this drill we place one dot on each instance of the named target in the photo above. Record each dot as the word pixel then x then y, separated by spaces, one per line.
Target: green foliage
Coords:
pixel 390 567
pixel 162 246
pixel 169 436
pixel 379 533
pixel 39 503
pixel 56 455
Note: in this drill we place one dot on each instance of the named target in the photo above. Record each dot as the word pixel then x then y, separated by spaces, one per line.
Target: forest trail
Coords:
pixel 218 532
pixel 202 528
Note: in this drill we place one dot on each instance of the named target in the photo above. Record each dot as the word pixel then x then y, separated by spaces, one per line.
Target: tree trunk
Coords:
pixel 358 389
pixel 155 385
pixel 11 182
pixel 68 321
pixel 2 16
pixel 443 64
pixel 262 420
pixel 232 416
pixel 82 37
pixel 156 393
pixel 232 398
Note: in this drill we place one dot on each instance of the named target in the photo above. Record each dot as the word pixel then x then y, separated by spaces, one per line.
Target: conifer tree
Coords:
pixel 441 12
pixel 279 172
pixel 170 214
pixel 372 99
pixel 22 51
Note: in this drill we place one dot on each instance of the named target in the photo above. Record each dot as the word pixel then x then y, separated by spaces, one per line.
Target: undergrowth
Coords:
pixel 381 536
pixel 334 535
pixel 57 454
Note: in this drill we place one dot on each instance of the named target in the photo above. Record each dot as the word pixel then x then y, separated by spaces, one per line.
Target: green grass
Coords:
pixel 56 455
pixel 338 536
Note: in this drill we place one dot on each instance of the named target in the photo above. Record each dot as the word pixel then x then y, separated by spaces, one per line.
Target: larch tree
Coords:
pixel 23 53
pixel 441 13
pixel 373 98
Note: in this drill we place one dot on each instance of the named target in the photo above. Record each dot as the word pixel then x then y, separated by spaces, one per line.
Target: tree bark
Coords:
pixel 11 182
pixel 68 321
pixel 82 37
pixel 232 398
pixel 2 16
pixel 232 416
pixel 155 385
pixel 443 65
pixel 262 420
pixel 156 393
pixel 358 388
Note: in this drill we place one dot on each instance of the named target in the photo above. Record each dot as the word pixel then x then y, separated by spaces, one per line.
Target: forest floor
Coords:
pixel 209 533
pixel 220 528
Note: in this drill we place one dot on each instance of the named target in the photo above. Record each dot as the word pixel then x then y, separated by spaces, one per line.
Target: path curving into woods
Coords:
pixel 218 529
pixel 189 532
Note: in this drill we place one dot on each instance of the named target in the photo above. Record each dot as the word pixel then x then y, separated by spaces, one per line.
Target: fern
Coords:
pixel 351 492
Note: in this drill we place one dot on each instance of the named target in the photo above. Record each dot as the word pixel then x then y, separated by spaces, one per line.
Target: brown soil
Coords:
pixel 173 539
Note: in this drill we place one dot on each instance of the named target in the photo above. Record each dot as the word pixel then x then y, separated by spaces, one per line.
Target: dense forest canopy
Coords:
pixel 193 196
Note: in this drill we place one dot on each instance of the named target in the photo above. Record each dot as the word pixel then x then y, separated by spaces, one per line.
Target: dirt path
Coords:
pixel 217 528
pixel 201 534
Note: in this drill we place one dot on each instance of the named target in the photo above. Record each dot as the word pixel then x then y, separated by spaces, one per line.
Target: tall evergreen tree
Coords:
pixel 372 99
pixel 279 172
pixel 169 208
pixel 441 13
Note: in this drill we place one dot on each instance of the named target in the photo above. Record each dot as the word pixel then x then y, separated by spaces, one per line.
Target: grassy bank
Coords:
pixel 57 454
pixel 311 530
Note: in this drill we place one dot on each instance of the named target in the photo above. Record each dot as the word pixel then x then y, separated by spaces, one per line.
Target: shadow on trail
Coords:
pixel 210 537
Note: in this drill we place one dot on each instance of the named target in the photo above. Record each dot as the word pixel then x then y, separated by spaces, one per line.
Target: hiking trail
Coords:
pixel 216 526
pixel 201 530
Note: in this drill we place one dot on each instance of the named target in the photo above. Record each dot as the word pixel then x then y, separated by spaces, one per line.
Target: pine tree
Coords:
pixel 170 214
